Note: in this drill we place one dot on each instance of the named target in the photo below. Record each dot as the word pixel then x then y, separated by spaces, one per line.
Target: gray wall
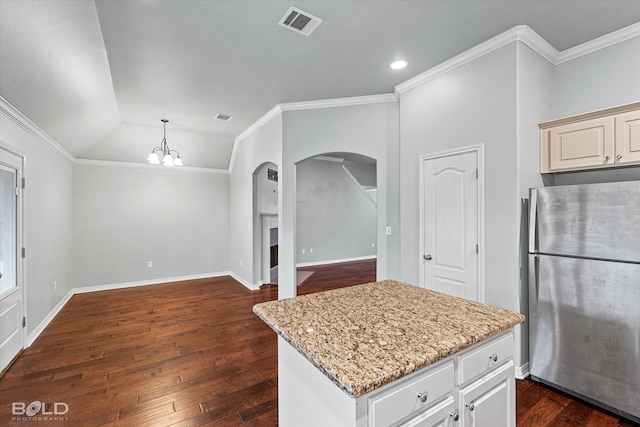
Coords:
pixel 535 91
pixel 473 104
pixel 260 147
pixel 47 220
pixel 125 217
pixel 606 78
pixel 266 191
pixel 334 217
pixel 603 79
pixel 370 130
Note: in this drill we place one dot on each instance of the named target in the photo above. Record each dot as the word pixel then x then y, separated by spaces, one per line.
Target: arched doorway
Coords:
pixel 265 222
pixel 336 210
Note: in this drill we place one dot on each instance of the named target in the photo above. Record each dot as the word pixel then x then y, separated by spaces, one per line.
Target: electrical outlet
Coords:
pixel 55 285
pixel 303 252
pixel 373 245
pixel 150 264
pixel 388 231
pixel 240 263
pixel 310 250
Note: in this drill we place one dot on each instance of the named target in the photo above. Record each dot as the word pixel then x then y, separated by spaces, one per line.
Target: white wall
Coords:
pixel 125 217
pixel 252 152
pixel 369 130
pixel 334 217
pixel 47 219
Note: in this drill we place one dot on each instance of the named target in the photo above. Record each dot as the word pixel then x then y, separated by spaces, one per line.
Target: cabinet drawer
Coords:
pixel 485 358
pixel 394 404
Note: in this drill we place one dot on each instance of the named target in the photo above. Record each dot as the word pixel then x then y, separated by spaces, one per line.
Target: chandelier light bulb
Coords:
pixel 167 160
pixel 153 159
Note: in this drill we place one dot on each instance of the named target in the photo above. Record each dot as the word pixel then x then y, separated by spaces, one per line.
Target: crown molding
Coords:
pixel 607 40
pixel 307 105
pixel 133 165
pixel 339 102
pixel 522 33
pixel 250 130
pixel 13 114
pixel 530 38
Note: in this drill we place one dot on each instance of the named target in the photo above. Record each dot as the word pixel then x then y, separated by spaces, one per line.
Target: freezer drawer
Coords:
pixel 585 328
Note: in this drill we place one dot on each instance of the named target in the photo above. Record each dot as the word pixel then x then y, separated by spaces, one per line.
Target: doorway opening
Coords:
pixel 265 223
pixel 336 210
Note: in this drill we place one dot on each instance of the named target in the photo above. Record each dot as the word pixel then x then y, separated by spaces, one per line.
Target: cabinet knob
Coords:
pixel 619 156
pixel 606 158
pixel 455 416
pixel 423 397
pixel 471 407
pixel 493 357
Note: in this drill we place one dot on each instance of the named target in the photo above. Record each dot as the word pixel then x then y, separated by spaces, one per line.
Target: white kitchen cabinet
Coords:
pixel 490 400
pixel 595 140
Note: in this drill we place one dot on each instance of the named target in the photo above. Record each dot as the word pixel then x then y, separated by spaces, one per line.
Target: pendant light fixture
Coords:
pixel 169 157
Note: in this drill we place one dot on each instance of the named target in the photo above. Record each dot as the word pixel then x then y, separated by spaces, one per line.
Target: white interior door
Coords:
pixel 11 283
pixel 450 235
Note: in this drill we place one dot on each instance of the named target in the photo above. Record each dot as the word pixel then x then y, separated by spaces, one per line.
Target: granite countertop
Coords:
pixel 363 337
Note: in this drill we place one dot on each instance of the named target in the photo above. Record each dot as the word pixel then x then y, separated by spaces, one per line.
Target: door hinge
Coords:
pixel 476 249
pixel 24 252
pixel 476 173
pixel 24 182
pixel 24 321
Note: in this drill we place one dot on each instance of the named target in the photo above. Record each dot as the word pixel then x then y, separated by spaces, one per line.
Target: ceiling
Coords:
pixel 98 76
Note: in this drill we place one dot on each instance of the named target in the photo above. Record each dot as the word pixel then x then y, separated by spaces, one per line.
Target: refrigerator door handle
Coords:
pixel 534 269
pixel 533 218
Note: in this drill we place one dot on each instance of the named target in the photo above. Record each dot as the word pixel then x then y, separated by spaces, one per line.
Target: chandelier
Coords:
pixel 169 157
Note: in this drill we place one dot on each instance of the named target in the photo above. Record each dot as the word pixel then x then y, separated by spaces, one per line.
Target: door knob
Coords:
pixel 427 257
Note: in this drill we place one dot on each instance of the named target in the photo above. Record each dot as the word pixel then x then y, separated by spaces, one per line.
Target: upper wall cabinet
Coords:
pixel 601 139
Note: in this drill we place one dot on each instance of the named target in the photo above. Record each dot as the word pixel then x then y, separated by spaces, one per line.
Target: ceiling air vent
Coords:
pixel 300 21
pixel 223 117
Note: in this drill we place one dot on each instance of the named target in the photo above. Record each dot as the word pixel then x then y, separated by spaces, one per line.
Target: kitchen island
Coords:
pixel 387 353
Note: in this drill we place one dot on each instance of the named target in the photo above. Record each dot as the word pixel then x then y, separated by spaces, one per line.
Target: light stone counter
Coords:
pixel 363 337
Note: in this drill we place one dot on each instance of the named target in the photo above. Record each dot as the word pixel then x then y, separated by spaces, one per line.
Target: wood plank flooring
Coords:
pixel 191 354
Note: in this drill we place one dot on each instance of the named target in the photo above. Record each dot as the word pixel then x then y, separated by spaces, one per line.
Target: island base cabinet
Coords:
pixel 490 400
pixel 482 396
pixel 306 397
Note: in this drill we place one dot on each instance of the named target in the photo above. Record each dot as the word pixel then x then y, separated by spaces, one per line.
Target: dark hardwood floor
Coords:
pixel 191 354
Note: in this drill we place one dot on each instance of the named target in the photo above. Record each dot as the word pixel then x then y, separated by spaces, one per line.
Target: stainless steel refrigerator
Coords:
pixel 584 292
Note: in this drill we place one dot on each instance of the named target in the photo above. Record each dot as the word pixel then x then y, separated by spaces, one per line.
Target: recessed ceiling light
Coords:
pixel 398 65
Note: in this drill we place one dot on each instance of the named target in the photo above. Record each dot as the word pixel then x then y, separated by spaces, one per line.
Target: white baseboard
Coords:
pixel 335 261
pixel 111 286
pixel 45 322
pixel 244 282
pixel 522 372
pixel 86 289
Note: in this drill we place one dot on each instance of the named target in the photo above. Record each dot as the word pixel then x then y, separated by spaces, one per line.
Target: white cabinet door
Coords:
pixel 441 415
pixel 490 401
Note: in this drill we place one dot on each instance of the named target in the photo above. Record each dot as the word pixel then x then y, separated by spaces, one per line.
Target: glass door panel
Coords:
pixel 7 229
